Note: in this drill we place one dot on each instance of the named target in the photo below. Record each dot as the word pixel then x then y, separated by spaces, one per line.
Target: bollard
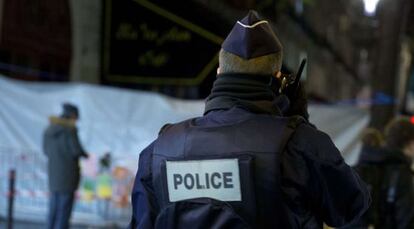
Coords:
pixel 12 179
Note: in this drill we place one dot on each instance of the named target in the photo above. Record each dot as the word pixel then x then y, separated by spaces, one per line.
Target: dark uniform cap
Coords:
pixel 252 37
pixel 69 110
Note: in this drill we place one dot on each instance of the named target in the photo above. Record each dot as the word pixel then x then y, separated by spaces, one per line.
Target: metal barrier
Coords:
pixel 31 191
pixel 10 198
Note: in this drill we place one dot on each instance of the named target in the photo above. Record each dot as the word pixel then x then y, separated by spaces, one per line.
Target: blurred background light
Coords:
pixel 370 6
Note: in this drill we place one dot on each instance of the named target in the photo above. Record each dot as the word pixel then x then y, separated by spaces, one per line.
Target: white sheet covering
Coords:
pixel 120 121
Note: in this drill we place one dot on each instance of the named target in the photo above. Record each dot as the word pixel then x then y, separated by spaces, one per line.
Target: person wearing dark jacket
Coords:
pixel 387 171
pixel 63 150
pixel 244 164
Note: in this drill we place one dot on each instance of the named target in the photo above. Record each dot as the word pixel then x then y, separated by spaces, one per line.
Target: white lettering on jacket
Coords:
pixel 218 179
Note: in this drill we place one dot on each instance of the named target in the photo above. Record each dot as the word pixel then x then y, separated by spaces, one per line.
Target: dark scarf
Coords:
pixel 251 92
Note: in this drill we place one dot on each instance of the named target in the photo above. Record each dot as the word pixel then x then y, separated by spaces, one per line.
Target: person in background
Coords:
pixel 372 138
pixel 105 163
pixel 387 171
pixel 63 150
pixel 248 162
pixel 104 185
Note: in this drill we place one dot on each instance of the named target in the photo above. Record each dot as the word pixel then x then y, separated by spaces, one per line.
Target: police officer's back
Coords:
pixel 244 165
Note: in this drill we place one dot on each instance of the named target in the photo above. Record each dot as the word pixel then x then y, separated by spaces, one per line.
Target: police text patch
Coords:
pixel 217 179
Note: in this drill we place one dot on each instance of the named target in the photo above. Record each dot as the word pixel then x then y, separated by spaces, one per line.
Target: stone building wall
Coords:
pixel 86 41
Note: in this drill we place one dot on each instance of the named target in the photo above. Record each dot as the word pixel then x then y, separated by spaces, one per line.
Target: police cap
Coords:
pixel 252 37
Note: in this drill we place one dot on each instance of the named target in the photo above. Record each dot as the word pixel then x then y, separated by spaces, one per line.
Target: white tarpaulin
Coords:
pixel 119 121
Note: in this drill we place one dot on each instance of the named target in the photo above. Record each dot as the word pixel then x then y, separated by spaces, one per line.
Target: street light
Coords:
pixel 370 6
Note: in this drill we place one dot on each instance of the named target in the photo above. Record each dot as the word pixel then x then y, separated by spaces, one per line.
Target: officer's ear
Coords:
pixel 218 70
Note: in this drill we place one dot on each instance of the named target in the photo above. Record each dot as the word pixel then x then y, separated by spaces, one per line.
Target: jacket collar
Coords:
pixel 248 91
pixel 62 121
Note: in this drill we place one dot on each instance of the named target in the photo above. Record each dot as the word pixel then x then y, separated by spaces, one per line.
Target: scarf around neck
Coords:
pixel 248 91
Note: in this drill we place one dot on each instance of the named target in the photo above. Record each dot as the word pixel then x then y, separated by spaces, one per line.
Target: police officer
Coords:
pixel 244 164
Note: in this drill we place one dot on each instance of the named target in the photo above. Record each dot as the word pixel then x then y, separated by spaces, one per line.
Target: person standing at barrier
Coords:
pixel 243 164
pixel 387 171
pixel 63 150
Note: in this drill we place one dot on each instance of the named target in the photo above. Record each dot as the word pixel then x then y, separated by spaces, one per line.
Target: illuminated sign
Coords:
pixel 156 42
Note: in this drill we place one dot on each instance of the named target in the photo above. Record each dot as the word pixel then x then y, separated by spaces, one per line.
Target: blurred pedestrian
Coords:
pixel 104 185
pixel 105 163
pixel 242 164
pixel 387 171
pixel 63 150
pixel 372 138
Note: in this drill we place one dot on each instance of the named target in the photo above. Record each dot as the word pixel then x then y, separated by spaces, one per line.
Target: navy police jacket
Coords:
pixel 237 169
